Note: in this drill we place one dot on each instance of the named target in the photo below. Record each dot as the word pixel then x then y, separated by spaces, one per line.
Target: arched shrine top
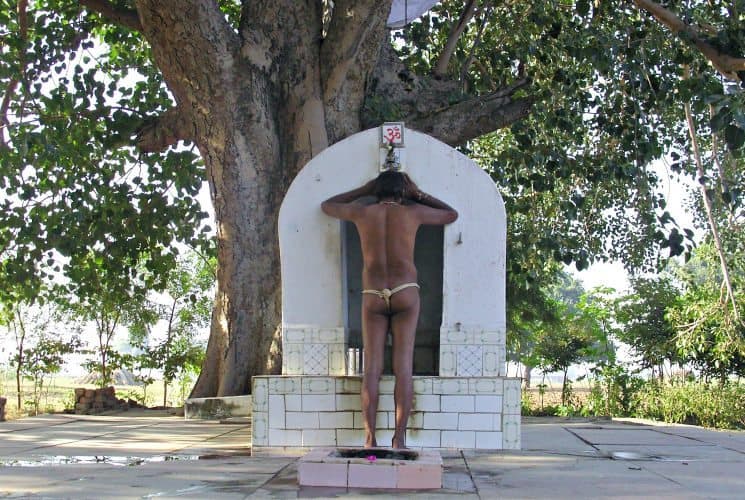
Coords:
pixel 312 254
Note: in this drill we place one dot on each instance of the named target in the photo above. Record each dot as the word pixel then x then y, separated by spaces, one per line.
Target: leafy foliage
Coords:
pixel 187 311
pixel 76 195
pixel 708 332
pixel 644 325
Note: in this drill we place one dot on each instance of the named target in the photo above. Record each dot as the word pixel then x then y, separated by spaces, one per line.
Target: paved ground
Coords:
pixel 153 455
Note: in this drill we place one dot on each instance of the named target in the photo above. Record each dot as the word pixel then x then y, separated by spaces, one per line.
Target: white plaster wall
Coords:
pixel 474 254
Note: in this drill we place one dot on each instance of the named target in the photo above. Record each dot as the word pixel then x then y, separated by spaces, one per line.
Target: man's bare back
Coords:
pixel 390 301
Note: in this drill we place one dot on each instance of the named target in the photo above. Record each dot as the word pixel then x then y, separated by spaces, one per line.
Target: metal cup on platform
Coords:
pixel 355 361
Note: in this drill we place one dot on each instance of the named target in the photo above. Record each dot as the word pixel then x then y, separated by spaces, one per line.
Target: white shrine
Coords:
pixel 462 397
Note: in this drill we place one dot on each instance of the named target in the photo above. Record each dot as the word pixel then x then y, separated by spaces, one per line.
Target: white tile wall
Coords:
pixel 458 439
pixel 489 440
pixel 350 437
pixel 335 420
pixel 440 421
pixel 427 402
pixel 348 402
pixel 457 403
pixel 424 438
pixel 293 402
pixel 319 402
pixel 456 412
pixel 276 411
pixel 487 403
pixel 302 420
pixel 285 437
pixel 476 422
pixel 322 437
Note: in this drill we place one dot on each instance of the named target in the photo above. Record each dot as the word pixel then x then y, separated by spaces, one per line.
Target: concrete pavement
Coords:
pixel 150 454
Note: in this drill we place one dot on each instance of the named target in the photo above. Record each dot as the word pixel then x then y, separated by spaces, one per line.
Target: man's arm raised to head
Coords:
pixel 342 205
pixel 431 211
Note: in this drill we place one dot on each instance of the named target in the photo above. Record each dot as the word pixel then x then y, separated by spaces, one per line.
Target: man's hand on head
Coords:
pixel 411 190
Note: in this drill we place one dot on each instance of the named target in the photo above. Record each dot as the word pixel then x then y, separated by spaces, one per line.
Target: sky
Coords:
pixel 613 274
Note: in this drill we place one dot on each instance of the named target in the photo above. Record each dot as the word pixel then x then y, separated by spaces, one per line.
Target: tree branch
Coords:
pixel 456 31
pixel 475 117
pixel 437 107
pixel 159 132
pixel 124 17
pixel 727 65
pixel 348 56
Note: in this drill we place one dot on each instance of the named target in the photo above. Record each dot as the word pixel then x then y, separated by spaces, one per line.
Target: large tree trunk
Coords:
pixel 259 103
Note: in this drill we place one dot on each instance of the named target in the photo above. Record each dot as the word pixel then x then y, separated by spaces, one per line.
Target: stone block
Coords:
pixel 293 402
pixel 259 429
pixel 276 411
pixel 319 402
pixel 371 476
pixel 301 420
pixel 381 420
pixel 489 440
pixel 450 386
pixel 457 403
pixel 426 438
pixel 285 437
pixel 216 408
pixel 319 437
pixel 284 385
pixel 349 437
pixel 386 403
pixel 491 404
pixel 318 385
pixel 349 385
pixel 427 402
pixel 476 422
pixel 458 439
pixel 260 394
pixel 485 386
pixel 322 474
pixel 335 420
pixel 348 402
pixel 422 385
pixel 440 421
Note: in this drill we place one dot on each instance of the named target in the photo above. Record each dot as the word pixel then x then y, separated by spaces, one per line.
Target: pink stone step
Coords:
pixel 361 468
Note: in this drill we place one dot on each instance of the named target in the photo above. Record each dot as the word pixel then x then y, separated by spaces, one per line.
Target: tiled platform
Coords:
pixel 448 412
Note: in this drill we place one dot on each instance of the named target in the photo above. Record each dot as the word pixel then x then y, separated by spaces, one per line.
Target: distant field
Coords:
pixel 59 395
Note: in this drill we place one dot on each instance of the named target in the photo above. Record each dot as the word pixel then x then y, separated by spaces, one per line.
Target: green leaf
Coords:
pixel 735 137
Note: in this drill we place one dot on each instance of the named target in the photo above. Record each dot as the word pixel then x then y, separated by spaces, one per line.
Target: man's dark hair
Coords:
pixel 390 184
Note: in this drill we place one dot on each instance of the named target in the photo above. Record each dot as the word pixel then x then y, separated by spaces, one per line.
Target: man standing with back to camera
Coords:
pixel 390 299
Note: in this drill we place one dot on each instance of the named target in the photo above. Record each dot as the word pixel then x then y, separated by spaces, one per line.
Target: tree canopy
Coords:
pixel 114 112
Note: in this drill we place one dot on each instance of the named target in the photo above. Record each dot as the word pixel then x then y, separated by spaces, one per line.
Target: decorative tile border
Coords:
pixel 468 360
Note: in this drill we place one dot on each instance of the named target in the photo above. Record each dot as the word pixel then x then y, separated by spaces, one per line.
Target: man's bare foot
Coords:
pixel 398 444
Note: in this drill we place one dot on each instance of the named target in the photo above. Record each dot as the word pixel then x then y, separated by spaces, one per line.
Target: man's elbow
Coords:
pixel 326 207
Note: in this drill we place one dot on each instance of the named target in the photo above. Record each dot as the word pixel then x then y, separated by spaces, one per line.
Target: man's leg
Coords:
pixel 374 331
pixel 403 324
